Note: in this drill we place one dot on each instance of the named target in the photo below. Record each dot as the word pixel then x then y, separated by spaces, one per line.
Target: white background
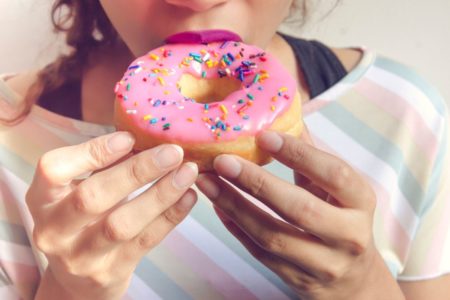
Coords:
pixel 416 32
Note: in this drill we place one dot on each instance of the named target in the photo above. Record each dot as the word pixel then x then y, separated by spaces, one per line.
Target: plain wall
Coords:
pixel 411 31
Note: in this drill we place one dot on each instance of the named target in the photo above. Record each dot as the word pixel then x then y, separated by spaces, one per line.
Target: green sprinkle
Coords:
pixel 204 74
pixel 250 96
pixel 128 87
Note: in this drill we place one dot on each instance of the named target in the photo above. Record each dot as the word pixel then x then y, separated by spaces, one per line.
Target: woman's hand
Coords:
pixel 323 248
pixel 93 239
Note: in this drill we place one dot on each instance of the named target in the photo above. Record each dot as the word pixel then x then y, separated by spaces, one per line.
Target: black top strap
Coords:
pixel 320 66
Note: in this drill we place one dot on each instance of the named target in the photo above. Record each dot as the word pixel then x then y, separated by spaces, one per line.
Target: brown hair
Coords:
pixel 87 28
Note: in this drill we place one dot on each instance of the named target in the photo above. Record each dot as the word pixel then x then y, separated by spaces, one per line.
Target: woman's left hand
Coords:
pixel 323 248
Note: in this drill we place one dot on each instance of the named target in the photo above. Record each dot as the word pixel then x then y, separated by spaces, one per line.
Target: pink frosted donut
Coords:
pixel 208 98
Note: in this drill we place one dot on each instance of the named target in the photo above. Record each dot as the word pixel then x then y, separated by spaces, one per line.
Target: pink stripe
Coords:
pixel 206 268
pixel 20 273
pixel 435 255
pixel 396 235
pixel 397 106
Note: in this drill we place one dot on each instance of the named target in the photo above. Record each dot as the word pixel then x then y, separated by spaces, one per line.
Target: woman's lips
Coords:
pixel 203 37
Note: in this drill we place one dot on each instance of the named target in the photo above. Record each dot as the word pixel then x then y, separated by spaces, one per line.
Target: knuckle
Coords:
pixel 97 157
pixel 174 216
pixel 114 230
pixel 340 176
pixel 138 171
pixel 99 280
pixel 258 184
pixel 305 214
pixel 295 152
pixel 42 241
pixel 358 244
pixel 272 241
pixel 332 272
pixel 147 240
pixel 84 200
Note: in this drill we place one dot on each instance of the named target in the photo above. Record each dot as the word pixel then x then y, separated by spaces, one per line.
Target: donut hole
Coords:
pixel 204 90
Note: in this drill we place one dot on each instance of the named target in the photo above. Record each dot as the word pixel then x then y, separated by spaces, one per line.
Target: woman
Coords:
pixel 364 219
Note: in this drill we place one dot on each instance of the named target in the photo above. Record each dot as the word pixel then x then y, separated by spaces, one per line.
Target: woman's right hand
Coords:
pixel 93 239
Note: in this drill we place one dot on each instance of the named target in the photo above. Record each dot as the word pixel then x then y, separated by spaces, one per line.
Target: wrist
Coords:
pixel 49 288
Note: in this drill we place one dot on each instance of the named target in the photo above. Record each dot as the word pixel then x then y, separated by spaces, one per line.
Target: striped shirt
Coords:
pixel 382 118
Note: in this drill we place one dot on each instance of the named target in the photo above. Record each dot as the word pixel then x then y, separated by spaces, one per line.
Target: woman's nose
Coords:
pixel 196 5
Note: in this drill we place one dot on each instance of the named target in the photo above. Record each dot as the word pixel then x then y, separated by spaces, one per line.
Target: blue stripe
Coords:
pixel 158 281
pixel 13 233
pixel 436 175
pixel 204 214
pixel 379 147
pixel 16 165
pixel 412 76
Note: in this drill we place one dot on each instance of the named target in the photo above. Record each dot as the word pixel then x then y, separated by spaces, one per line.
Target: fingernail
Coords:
pixel 228 166
pixel 185 176
pixel 187 201
pixel 120 142
pixel 207 186
pixel 270 141
pixel 168 156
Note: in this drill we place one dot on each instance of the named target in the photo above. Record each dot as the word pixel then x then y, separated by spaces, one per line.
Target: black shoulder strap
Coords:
pixel 319 64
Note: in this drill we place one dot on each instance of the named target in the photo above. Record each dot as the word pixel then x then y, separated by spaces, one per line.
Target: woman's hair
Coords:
pixel 87 28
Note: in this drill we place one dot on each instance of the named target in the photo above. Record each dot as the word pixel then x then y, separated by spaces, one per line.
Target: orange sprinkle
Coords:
pixel 274 99
pixel 190 120
pixel 250 103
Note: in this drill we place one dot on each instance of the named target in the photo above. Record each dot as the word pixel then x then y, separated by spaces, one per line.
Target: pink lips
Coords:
pixel 203 37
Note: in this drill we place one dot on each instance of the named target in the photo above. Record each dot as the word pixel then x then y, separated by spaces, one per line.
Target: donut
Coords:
pixel 209 97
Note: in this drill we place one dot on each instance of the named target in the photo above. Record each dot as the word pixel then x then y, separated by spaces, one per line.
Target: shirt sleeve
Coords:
pixel 19 274
pixel 429 252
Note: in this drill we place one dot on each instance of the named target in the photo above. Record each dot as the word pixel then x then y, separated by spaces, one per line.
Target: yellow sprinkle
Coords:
pixel 162 81
pixel 272 107
pixel 166 92
pixel 223 109
pixel 154 56
pixel 283 89
pixel 203 51
pixel 264 76
pixel 209 64
pixel 147 117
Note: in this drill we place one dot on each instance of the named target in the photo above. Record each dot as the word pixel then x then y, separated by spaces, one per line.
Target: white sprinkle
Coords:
pixel 131 111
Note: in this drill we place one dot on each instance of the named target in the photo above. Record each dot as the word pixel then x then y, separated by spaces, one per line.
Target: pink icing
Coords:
pixel 149 94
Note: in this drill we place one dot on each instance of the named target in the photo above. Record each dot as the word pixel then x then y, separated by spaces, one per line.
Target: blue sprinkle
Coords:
pixel 153 121
pixel 157 103
pixel 133 67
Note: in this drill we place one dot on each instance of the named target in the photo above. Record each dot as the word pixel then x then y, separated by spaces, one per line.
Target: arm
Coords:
pixel 437 288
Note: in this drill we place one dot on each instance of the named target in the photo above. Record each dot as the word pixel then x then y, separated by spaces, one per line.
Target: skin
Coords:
pixel 93 233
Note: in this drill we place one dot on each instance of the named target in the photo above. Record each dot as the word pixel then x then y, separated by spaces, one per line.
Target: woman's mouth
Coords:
pixel 203 37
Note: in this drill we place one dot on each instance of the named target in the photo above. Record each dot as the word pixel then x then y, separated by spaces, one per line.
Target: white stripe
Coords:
pixel 9 293
pixel 16 253
pixel 139 290
pixel 368 164
pixel 410 93
pixel 229 261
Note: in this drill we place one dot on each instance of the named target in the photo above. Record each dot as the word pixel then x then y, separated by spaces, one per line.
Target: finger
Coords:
pixel 327 171
pixel 292 203
pixel 58 167
pixel 302 256
pixel 102 191
pixel 271 234
pixel 126 221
